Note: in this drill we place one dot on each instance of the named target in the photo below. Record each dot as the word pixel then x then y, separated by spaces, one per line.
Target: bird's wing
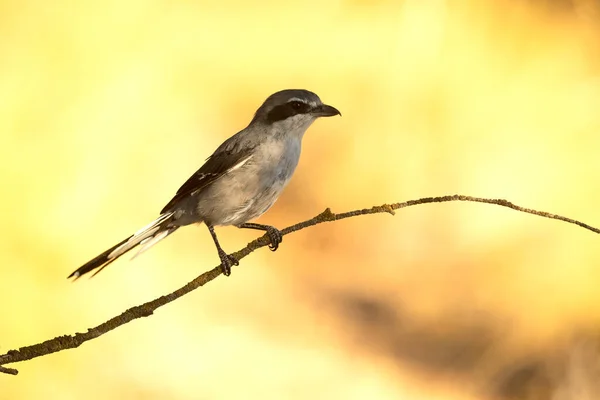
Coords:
pixel 224 160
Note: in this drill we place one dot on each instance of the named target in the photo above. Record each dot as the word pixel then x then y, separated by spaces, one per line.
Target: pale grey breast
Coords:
pixel 248 191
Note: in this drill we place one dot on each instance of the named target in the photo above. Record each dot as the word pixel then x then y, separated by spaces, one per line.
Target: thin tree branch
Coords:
pixel 65 342
pixel 10 371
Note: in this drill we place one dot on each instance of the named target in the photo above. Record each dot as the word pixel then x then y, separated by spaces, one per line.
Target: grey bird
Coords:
pixel 239 182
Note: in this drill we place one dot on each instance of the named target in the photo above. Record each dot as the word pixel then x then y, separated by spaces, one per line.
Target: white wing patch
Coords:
pixel 240 164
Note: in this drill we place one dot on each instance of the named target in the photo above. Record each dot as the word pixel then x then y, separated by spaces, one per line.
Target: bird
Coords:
pixel 239 182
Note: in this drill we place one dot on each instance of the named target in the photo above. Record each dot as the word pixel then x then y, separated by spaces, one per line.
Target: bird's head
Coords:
pixel 292 110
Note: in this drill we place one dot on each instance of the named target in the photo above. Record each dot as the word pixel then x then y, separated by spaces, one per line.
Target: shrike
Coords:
pixel 239 182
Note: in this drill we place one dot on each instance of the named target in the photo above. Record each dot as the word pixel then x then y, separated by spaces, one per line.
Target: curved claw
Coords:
pixel 226 262
pixel 233 260
pixel 276 237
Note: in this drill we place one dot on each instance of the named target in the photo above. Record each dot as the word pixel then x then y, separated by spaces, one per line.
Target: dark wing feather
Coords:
pixel 222 160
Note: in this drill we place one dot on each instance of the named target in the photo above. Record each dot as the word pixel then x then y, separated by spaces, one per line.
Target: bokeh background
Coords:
pixel 107 107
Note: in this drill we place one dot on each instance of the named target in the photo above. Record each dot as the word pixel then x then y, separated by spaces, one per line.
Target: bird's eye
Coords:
pixel 297 105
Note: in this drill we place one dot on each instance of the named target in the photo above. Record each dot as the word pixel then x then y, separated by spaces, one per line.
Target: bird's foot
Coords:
pixel 226 262
pixel 275 236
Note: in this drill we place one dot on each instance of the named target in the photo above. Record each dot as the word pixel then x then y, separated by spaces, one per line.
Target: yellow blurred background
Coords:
pixel 107 107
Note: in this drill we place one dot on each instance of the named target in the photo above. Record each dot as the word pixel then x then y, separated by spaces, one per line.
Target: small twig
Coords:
pixel 10 371
pixel 69 342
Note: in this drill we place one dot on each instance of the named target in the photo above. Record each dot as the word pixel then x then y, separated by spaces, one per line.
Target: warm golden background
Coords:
pixel 107 107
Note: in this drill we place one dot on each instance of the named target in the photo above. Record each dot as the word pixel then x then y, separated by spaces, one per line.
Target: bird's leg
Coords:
pixel 226 260
pixel 274 234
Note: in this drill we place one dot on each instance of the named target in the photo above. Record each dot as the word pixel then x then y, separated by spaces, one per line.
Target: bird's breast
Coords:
pixel 250 190
pixel 277 161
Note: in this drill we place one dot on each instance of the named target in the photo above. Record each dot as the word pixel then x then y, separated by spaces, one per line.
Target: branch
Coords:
pixel 9 371
pixel 65 342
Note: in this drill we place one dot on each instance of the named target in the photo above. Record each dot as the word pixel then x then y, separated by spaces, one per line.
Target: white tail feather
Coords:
pixel 151 241
pixel 143 236
pixel 154 223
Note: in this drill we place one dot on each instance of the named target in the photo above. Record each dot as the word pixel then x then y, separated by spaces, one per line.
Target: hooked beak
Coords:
pixel 324 110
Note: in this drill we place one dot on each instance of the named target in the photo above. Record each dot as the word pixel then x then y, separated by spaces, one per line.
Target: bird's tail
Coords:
pixel 146 237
